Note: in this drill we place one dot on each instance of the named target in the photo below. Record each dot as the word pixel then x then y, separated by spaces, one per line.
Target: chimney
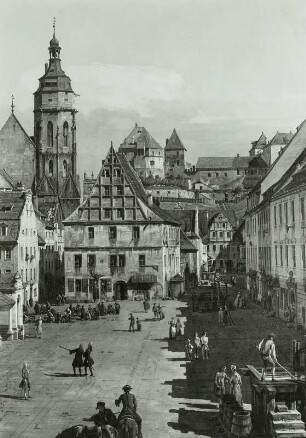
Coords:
pixel 150 198
pixel 46 67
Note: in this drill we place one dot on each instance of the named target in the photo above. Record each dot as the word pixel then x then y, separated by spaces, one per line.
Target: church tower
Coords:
pixel 55 128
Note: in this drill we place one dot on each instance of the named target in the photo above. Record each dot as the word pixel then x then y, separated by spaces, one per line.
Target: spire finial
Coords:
pixel 54 23
pixel 12 104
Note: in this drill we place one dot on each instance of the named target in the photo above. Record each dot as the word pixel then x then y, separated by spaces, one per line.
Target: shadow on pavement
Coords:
pixel 62 375
pixel 12 397
pixel 194 421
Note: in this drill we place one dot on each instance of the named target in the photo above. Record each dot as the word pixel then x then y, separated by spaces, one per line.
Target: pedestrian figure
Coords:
pixel 132 323
pixel 238 301
pixel 37 308
pixel 38 327
pixel 220 379
pixel 227 317
pixel 138 325
pixel 189 349
pixel 172 329
pixel 179 327
pixel 117 308
pixel 268 355
pixel 235 385
pixel 78 359
pixel 104 419
pixel 158 310
pixel 197 345
pixel 31 302
pixel 88 360
pixel 146 306
pixel 129 403
pixel 221 316
pixel 154 310
pixel 161 314
pixel 82 313
pixel 25 381
pixel 204 346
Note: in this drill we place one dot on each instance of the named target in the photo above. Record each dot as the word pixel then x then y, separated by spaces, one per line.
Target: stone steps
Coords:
pixel 285 433
pixel 288 424
pixel 289 415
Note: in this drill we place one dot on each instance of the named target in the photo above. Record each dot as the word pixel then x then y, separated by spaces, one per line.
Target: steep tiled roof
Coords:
pixel 175 142
pixel 7 179
pixel 258 162
pixel 6 302
pixel 176 171
pixel 139 134
pixel 260 143
pixel 222 162
pixel 7 282
pixel 281 138
pixel 185 244
pixel 69 189
pixel 11 206
pixel 298 182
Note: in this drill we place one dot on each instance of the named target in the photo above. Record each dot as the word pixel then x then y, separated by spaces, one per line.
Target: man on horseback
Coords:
pixel 129 408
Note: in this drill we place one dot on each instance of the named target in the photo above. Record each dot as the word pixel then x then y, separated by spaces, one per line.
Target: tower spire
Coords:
pixel 12 104
pixel 54 48
pixel 54 23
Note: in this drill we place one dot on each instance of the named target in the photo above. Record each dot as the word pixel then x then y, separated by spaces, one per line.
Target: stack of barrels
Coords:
pixel 235 419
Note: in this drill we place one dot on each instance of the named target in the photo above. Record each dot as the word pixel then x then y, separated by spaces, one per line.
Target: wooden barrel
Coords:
pixel 241 424
pixel 229 414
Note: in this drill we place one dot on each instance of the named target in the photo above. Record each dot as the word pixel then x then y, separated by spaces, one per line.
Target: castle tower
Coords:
pixel 54 122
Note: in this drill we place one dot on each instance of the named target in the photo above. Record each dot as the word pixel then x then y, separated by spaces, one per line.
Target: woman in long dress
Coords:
pixel 235 385
pixel 172 329
pixel 197 345
pixel 25 381
pixel 88 360
pixel 39 327
pixel 220 379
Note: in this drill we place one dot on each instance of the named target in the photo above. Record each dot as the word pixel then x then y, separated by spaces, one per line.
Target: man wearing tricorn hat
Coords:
pixel 105 419
pixel 129 404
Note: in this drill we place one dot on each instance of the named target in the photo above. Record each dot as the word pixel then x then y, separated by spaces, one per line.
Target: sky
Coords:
pixel 219 71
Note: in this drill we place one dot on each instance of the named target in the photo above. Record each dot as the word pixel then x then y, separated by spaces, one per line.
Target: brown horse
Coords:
pixel 80 431
pixel 127 428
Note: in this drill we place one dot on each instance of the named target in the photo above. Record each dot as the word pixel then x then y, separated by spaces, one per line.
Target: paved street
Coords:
pixel 174 397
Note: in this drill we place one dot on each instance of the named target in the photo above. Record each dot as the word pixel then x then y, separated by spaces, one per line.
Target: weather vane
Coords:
pixel 54 22
pixel 12 105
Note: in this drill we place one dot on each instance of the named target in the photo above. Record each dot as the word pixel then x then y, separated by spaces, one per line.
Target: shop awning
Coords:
pixel 143 278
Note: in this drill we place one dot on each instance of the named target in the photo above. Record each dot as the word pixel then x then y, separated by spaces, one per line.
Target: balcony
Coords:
pixel 121 270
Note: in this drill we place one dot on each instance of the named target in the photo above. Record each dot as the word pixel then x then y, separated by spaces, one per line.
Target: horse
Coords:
pixel 127 427
pixel 80 431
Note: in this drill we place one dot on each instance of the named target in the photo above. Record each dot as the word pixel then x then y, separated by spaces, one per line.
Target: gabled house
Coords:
pixel 118 242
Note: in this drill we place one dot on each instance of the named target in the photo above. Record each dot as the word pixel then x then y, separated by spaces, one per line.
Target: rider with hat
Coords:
pixel 105 418
pixel 129 408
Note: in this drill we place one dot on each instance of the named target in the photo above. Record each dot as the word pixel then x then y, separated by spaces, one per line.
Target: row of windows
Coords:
pixel 28 274
pixel 112 233
pixel 29 232
pixel 285 255
pixel 285 213
pixel 28 252
pixel 221 234
pixel 81 285
pixel 107 172
pixel 7 253
pixel 115 260
pixel 217 174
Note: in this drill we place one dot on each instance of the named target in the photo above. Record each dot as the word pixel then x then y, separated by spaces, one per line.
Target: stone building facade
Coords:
pixel 175 152
pixel 19 261
pixel 118 242
pixel 143 152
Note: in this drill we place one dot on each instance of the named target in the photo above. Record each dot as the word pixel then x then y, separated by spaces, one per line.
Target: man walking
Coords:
pixel 268 355
pixel 204 346
pixel 132 323
pixel 221 316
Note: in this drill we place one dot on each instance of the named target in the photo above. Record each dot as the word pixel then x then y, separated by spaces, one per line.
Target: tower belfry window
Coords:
pixel 65 168
pixel 50 168
pixel 50 135
pixel 65 134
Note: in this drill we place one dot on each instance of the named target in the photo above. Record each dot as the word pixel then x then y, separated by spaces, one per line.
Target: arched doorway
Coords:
pixel 120 290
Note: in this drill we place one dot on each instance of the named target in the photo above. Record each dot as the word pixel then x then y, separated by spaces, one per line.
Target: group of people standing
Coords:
pixel 175 328
pixel 198 348
pixel 224 316
pixel 158 312
pixel 228 384
pixel 82 359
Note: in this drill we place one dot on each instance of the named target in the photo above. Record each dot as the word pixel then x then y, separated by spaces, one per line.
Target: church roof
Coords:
pixel 139 136
pixel 174 142
pixel 69 189
pixel 6 181
pixel 17 152
pixel 46 187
